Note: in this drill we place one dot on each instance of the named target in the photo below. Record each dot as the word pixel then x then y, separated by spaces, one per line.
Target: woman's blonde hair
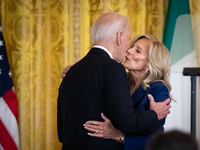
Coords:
pixel 159 63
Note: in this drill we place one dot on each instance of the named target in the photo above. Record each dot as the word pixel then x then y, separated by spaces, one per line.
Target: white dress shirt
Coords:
pixel 103 48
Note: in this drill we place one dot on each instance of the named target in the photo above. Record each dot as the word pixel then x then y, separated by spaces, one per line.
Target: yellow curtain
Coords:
pixel 42 37
pixel 147 16
pixel 195 12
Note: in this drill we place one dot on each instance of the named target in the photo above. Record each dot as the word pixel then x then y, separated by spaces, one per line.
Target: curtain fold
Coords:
pixel 42 37
pixel 195 12
pixel 147 16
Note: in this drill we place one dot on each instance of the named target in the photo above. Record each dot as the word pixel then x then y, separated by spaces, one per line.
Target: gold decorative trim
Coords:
pixel 76 27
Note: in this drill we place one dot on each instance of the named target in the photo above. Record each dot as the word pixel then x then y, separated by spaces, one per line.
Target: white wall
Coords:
pixel 180 116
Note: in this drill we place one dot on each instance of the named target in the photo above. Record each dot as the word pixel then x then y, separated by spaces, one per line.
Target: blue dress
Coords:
pixel 141 102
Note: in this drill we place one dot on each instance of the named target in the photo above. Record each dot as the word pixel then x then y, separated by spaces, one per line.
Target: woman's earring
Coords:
pixel 147 71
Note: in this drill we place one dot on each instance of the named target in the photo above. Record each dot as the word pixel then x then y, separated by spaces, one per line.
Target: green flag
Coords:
pixel 178 38
pixel 178 34
pixel 175 9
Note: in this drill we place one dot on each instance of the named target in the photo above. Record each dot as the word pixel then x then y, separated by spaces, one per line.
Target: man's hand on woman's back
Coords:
pixel 161 108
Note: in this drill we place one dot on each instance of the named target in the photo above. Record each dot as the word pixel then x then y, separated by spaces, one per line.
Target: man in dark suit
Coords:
pixel 98 83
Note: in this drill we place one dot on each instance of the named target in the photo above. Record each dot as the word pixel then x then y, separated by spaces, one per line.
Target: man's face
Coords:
pixel 125 43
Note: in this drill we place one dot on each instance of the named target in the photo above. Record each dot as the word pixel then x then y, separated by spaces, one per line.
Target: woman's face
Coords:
pixel 137 56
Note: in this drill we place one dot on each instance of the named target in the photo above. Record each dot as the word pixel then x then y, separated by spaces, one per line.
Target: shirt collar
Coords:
pixel 103 48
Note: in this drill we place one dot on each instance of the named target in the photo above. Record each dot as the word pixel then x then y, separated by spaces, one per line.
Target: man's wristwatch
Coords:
pixel 122 138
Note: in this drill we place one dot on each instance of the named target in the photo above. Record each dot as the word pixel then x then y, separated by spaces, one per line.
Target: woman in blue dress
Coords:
pixel 148 64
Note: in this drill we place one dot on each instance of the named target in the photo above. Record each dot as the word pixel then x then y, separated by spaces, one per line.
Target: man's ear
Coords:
pixel 118 38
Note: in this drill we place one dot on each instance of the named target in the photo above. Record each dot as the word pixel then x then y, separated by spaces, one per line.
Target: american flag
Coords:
pixel 9 138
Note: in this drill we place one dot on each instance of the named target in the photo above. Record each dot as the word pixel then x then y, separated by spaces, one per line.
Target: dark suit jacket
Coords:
pixel 94 85
pixel 140 102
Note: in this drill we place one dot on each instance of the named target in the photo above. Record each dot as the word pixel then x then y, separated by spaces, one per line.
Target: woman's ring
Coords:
pixel 96 131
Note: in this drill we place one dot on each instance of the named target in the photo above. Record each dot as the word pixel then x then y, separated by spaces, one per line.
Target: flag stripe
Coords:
pixel 8 119
pixel 6 141
pixel 11 100
pixel 9 136
pixel 175 9
pixel 1 148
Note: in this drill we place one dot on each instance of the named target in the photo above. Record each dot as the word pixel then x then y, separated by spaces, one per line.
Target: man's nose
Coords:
pixel 129 51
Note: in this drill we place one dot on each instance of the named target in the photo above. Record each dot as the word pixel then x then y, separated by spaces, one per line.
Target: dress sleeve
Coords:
pixel 160 93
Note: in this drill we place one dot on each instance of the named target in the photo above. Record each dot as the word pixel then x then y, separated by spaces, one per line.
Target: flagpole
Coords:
pixel 193 105
pixel 193 72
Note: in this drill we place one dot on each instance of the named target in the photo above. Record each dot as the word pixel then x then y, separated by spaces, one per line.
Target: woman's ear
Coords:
pixel 118 38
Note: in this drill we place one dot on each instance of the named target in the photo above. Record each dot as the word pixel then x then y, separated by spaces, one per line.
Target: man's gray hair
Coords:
pixel 106 26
